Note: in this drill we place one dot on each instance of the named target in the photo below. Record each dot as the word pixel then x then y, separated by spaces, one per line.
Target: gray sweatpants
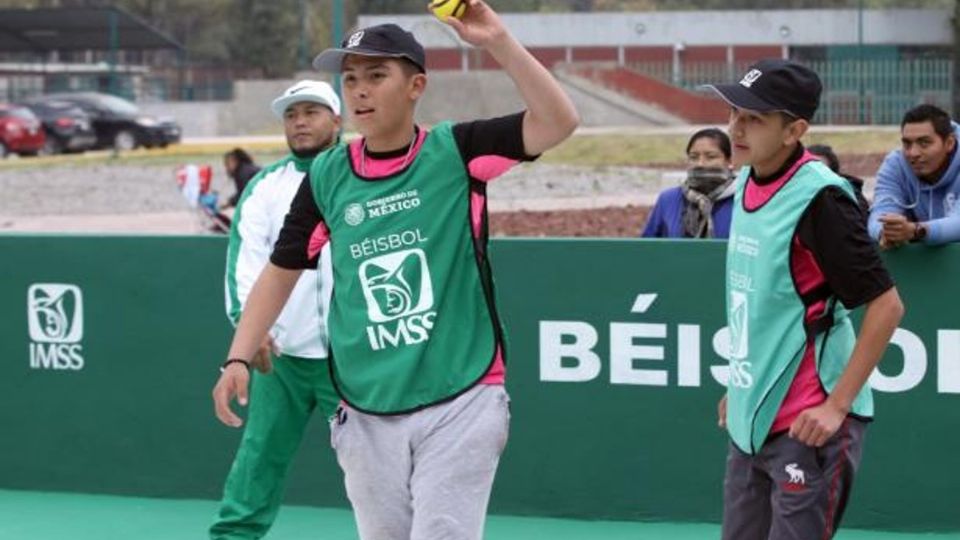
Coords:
pixel 426 475
pixel 791 491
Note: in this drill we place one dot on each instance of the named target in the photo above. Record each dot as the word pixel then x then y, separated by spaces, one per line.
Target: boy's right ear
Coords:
pixel 419 84
pixel 797 129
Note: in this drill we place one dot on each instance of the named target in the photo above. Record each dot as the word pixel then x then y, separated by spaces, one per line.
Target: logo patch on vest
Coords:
pixel 399 295
pixel 354 215
pixel 396 285
pixel 740 375
pixel 402 201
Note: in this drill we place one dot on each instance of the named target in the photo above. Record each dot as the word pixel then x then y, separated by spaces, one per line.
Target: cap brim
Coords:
pixel 738 96
pixel 279 105
pixel 331 60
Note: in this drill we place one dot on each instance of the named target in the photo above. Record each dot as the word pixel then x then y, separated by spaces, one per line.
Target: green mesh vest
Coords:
pixel 765 311
pixel 410 324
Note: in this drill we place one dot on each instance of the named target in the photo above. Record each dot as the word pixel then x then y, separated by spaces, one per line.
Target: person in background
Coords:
pixel 298 383
pixel 919 184
pixel 701 206
pixel 825 153
pixel 240 168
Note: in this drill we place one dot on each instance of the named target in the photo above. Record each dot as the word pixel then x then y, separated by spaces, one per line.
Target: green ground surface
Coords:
pixel 29 515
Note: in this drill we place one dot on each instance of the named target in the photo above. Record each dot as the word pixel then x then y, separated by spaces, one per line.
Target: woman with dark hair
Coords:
pixel 241 168
pixel 701 206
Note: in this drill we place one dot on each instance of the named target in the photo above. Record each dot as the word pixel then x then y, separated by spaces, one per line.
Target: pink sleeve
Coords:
pixel 486 168
pixel 318 239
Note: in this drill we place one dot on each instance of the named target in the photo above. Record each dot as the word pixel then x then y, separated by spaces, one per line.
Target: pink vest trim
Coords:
pixel 755 195
pixel 318 239
pixel 498 371
pixel 805 391
pixel 379 168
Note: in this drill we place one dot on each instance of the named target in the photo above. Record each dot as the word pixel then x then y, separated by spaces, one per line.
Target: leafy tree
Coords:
pixel 264 35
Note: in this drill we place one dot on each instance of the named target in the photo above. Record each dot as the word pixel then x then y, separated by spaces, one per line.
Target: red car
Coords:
pixel 20 131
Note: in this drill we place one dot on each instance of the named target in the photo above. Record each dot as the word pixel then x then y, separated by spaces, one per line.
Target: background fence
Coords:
pixel 872 91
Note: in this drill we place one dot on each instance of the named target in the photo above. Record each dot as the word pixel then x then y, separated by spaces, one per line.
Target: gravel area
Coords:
pixel 536 186
pixel 534 199
pixel 137 189
pixel 88 189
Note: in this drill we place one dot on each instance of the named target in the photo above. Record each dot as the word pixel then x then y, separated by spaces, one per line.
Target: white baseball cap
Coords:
pixel 314 91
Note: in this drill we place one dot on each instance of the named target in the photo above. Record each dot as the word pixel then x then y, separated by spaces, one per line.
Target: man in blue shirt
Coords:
pixel 918 185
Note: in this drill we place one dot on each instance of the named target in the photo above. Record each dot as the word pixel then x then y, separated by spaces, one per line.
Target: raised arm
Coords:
pixel 551 116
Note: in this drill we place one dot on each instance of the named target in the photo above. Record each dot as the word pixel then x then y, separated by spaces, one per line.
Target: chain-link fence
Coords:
pixel 874 91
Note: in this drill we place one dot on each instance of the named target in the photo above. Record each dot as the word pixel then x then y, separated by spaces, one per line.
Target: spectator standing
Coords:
pixel 701 206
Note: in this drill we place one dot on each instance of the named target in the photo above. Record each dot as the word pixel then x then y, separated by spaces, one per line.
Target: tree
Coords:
pixel 202 26
pixel 265 35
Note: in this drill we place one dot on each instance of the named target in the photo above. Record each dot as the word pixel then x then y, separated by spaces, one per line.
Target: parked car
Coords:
pixel 20 131
pixel 118 123
pixel 68 128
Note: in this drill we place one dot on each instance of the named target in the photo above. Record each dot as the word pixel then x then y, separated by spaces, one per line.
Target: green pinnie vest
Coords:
pixel 765 311
pixel 411 323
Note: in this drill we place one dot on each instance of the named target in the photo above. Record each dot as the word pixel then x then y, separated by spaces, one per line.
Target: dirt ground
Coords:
pixel 625 221
pixel 615 221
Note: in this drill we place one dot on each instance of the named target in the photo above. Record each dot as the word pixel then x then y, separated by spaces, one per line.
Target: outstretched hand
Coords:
pixel 480 25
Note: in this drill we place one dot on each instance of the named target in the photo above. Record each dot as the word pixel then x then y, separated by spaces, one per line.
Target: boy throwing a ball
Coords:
pixel 416 345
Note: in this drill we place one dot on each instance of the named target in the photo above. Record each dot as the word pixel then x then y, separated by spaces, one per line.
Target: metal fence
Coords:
pixel 880 91
pixel 14 88
pixel 139 87
pixel 873 91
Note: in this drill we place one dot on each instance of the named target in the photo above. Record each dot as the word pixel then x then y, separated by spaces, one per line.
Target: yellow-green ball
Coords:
pixel 446 8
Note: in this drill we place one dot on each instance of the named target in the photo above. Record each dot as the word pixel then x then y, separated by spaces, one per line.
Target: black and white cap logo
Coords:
pixel 355 39
pixel 750 78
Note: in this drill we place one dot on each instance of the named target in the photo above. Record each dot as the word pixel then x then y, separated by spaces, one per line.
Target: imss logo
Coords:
pixel 399 296
pixel 55 322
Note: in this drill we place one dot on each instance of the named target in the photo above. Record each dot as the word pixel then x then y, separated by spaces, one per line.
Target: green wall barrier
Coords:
pixel 612 368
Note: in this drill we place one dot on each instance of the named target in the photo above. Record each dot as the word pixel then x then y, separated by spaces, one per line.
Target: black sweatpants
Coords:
pixel 791 491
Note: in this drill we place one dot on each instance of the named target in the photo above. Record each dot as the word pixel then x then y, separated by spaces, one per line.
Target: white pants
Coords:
pixel 426 475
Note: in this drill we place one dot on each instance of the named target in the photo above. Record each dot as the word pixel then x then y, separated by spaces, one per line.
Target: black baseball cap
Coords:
pixel 775 85
pixel 387 40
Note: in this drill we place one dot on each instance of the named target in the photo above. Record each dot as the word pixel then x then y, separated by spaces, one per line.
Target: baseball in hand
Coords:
pixel 447 8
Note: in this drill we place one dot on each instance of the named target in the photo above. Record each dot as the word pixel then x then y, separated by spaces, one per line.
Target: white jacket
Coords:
pixel 301 328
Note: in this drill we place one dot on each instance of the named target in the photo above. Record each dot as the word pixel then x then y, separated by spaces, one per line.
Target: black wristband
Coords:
pixel 246 363
pixel 919 232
